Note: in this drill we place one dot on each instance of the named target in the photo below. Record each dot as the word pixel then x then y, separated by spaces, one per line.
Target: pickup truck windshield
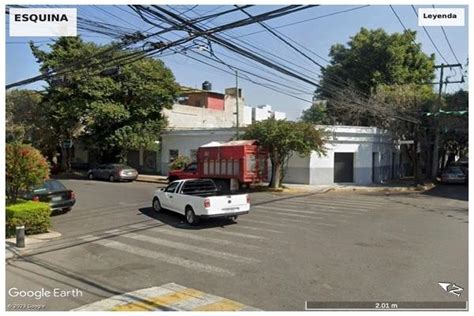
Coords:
pixel 199 187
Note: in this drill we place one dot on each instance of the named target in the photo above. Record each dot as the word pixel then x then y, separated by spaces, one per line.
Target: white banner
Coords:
pixel 43 22
pixel 441 17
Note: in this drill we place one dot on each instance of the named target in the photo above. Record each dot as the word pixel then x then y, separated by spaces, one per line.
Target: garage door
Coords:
pixel 343 167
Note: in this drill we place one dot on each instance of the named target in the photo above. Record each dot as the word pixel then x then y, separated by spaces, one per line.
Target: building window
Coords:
pixel 193 154
pixel 173 154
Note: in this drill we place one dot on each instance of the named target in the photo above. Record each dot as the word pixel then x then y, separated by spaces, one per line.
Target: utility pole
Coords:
pixel 237 96
pixel 436 108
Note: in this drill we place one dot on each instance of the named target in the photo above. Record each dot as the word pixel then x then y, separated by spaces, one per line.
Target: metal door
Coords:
pixel 343 167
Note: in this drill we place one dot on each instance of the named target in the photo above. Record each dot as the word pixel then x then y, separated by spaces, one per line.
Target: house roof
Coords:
pixel 231 143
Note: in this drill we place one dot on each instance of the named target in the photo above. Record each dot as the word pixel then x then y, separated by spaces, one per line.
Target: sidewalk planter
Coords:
pixel 35 216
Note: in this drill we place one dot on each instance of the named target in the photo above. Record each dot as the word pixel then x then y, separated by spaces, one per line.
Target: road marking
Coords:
pixel 335 206
pixel 168 297
pixel 222 305
pixel 185 263
pixel 192 248
pixel 161 301
pixel 295 220
pixel 204 239
pixel 302 216
pixel 258 228
pixel 220 231
pixel 323 212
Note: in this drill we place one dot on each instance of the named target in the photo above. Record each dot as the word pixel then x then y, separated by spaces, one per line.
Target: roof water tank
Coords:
pixel 206 85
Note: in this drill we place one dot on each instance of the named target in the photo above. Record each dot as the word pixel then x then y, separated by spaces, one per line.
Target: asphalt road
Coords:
pixel 288 250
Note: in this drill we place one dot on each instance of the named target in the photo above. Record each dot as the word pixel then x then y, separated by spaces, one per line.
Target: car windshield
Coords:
pixel 49 185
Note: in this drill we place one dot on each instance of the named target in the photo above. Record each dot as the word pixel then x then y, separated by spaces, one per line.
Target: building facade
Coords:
pixel 358 155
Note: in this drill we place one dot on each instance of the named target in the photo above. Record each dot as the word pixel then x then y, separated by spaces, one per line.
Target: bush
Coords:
pixel 25 168
pixel 180 162
pixel 34 215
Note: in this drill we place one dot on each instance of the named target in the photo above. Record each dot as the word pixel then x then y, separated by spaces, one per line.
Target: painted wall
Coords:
pixel 185 141
pixel 362 141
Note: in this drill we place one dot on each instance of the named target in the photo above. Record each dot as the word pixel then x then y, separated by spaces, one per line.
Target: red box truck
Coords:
pixel 231 165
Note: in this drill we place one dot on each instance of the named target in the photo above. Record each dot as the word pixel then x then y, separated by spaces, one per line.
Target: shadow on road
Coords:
pixel 177 220
pixel 450 191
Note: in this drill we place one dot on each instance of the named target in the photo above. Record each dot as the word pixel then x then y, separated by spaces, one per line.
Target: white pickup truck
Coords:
pixel 199 198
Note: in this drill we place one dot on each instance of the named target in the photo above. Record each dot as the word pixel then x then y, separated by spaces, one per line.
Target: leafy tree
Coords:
pixel 371 58
pixel 112 105
pixel 26 122
pixel 283 138
pixel 180 163
pixel 316 114
pixel 454 126
pixel 25 168
pixel 407 102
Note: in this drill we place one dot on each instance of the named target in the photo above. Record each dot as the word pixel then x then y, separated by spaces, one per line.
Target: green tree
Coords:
pixel 26 122
pixel 407 102
pixel 283 138
pixel 454 124
pixel 112 105
pixel 316 114
pixel 25 168
pixel 371 58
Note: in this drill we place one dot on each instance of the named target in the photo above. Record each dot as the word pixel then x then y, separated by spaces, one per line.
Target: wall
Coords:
pixel 214 102
pixel 247 115
pixel 362 141
pixel 279 115
pixel 191 117
pixel 185 141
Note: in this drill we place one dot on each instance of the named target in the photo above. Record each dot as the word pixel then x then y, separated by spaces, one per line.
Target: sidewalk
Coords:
pixel 392 186
pixel 404 185
pixel 31 241
pixel 152 178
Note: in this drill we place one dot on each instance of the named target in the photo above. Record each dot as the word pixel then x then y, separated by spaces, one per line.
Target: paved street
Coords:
pixel 288 250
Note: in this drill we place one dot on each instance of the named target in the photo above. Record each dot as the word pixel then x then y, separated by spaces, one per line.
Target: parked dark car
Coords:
pixel 52 192
pixel 453 174
pixel 113 172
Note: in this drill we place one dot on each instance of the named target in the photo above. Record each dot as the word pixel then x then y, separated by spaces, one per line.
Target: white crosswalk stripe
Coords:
pixel 292 220
pixel 332 206
pixel 332 203
pixel 289 214
pixel 243 235
pixel 187 247
pixel 241 226
pixel 185 263
pixel 203 238
pixel 321 211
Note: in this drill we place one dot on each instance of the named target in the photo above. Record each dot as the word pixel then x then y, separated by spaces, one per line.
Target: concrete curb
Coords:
pixel 150 180
pixel 411 189
pixel 11 251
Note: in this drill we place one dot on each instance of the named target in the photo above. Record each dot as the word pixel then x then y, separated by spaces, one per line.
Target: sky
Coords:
pixel 316 35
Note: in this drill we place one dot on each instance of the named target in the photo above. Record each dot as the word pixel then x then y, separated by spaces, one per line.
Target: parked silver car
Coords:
pixel 453 174
pixel 113 172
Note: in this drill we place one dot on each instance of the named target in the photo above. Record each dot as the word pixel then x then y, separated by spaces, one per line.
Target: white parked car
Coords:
pixel 199 198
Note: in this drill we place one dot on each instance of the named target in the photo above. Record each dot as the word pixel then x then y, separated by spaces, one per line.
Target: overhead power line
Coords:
pixel 449 43
pixel 429 37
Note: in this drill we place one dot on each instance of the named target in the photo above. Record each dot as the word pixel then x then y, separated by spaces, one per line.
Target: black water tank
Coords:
pixel 206 85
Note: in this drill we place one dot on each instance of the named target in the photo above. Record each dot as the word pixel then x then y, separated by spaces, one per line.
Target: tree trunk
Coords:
pixel 276 174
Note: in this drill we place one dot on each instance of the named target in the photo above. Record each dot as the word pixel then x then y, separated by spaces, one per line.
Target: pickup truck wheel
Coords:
pixel 156 205
pixel 191 218
pixel 112 178
pixel 90 176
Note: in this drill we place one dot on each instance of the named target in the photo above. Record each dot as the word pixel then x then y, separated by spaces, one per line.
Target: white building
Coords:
pixel 263 112
pixel 359 155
